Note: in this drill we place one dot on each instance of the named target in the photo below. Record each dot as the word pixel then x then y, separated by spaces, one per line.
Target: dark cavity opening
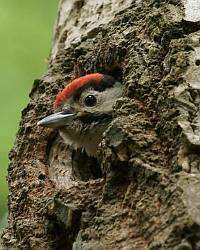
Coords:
pixel 84 166
pixel 197 62
pixel 76 163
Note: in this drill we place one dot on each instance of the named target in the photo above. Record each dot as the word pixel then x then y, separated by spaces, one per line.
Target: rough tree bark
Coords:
pixel 147 195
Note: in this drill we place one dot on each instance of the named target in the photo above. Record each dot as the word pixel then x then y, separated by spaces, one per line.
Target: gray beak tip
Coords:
pixel 42 123
pixel 39 123
pixel 56 120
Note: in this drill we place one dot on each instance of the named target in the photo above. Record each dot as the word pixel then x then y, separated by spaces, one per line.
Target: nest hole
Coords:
pixel 67 164
pixel 85 167
pixel 197 62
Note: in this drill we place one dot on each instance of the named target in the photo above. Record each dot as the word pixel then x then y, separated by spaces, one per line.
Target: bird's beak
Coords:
pixel 57 120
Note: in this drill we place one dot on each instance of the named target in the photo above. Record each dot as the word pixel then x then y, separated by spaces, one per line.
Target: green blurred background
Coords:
pixel 26 28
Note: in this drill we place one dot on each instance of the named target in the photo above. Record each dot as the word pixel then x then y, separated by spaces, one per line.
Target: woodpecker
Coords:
pixel 83 110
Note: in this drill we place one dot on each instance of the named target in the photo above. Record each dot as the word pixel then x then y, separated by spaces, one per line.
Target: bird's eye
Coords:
pixel 90 100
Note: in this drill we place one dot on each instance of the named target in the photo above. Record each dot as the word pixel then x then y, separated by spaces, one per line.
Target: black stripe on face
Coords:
pixel 106 82
pixel 101 118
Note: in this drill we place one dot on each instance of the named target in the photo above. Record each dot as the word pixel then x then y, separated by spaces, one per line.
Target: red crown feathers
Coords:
pixel 73 86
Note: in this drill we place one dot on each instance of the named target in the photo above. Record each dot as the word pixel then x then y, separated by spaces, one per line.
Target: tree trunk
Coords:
pixel 146 194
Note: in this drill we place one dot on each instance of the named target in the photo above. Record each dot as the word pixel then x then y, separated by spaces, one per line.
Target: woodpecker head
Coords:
pixel 83 110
